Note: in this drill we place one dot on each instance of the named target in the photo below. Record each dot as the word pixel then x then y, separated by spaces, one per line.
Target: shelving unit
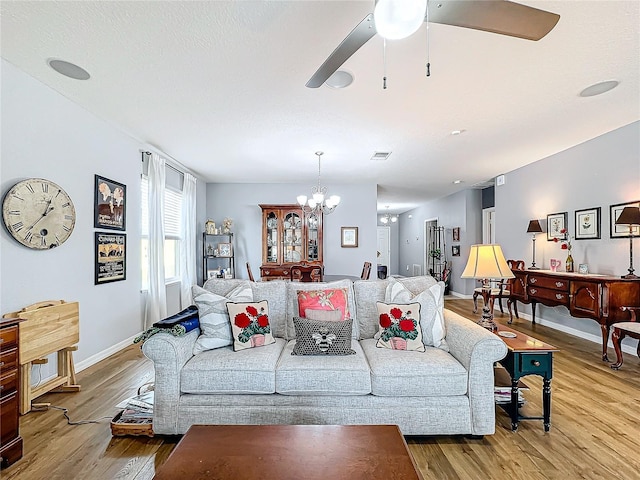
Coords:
pixel 215 258
pixel 436 263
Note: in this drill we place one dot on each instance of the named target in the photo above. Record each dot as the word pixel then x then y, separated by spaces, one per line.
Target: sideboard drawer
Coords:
pixel 8 383
pixel 8 418
pixel 585 298
pixel 556 283
pixel 548 295
pixel 8 360
pixel 8 338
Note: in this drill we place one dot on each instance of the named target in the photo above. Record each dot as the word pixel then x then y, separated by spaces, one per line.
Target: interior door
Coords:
pixel 384 247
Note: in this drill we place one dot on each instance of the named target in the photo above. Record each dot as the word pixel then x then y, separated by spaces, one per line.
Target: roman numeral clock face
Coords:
pixel 38 213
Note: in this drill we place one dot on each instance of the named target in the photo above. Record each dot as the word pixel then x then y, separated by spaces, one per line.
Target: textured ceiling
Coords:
pixel 219 86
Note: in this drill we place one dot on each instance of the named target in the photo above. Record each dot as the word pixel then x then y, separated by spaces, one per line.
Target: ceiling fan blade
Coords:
pixel 497 16
pixel 350 45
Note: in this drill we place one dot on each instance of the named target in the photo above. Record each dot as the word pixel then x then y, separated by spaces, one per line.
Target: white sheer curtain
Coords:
pixel 156 307
pixel 188 240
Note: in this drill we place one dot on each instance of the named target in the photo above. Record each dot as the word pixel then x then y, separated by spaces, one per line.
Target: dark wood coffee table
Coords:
pixel 292 452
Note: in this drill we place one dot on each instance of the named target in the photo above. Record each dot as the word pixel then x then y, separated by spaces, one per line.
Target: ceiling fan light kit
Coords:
pixel 397 19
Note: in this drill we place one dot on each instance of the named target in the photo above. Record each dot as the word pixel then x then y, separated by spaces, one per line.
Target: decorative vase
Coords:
pixel 257 340
pixel 569 263
pixel 398 343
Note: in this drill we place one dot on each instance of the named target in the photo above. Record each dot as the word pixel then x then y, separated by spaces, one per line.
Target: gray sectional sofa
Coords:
pixel 426 393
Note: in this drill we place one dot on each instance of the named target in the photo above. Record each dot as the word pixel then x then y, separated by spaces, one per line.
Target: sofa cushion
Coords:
pixel 431 310
pixel 275 292
pixel 326 375
pixel 214 319
pixel 400 327
pixel 432 373
pixel 223 371
pixel 292 301
pixel 314 337
pixel 250 324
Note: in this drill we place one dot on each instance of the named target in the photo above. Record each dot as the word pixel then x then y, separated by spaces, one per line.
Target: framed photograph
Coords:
pixel 456 234
pixel 556 222
pixel 109 204
pixel 110 257
pixel 224 250
pixel 349 237
pixel 213 274
pixel 587 224
pixel 583 268
pixel 455 250
pixel 621 231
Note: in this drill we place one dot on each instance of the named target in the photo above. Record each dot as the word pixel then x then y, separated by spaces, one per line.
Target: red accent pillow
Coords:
pixel 334 299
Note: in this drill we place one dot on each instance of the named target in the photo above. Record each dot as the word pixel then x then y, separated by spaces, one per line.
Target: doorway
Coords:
pixel 384 249
pixel 489 225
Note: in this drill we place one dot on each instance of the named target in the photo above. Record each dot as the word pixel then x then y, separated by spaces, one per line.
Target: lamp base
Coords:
pixel 630 276
pixel 486 321
pixel 534 268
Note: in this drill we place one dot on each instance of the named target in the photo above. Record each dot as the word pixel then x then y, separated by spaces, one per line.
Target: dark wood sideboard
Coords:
pixel 10 439
pixel 598 297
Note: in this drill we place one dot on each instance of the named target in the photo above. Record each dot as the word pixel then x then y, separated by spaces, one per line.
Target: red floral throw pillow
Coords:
pixel 250 324
pixel 400 327
pixel 333 299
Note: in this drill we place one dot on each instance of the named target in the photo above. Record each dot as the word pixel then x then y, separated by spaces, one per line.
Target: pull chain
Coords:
pixel 428 43
pixel 384 63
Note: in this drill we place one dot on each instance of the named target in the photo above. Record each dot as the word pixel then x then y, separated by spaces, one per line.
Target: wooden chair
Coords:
pixel 366 271
pixel 497 289
pixel 304 272
pixel 621 330
pixel 250 273
pixel 513 265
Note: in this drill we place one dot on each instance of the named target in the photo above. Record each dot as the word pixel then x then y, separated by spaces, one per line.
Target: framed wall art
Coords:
pixel 456 234
pixel 556 222
pixel 224 250
pixel 349 237
pixel 587 224
pixel 621 231
pixel 110 257
pixel 109 204
pixel 455 250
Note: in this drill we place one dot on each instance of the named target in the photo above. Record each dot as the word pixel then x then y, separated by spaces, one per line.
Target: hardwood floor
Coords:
pixel 594 425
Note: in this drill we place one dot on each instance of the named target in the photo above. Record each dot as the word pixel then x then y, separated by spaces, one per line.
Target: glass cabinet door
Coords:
pixel 272 237
pixel 313 238
pixel 292 233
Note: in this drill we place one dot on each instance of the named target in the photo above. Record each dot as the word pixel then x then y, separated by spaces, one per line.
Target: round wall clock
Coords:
pixel 38 213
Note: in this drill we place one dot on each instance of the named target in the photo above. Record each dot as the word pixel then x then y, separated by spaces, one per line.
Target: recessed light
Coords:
pixel 340 79
pixel 68 69
pixel 599 88
pixel 457 132
pixel 456 182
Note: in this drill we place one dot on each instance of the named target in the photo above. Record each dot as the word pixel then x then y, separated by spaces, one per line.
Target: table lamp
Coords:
pixel 533 228
pixel 629 216
pixel 487 262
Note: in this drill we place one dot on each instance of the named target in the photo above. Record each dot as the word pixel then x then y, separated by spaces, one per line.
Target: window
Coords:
pixel 172 219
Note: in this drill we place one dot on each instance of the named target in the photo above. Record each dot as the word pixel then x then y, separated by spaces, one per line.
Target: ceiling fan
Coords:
pixel 395 19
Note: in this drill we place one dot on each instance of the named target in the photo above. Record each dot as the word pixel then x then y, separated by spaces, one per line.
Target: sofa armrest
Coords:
pixel 169 354
pixel 477 349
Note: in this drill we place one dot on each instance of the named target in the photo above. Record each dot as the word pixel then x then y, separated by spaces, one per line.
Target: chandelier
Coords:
pixel 386 218
pixel 318 202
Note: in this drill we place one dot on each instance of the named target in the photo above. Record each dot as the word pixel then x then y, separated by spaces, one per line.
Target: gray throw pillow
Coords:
pixel 314 337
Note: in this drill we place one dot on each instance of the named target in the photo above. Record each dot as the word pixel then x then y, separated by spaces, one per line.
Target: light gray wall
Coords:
pixel 45 135
pixel 240 202
pixel 598 173
pixel 462 209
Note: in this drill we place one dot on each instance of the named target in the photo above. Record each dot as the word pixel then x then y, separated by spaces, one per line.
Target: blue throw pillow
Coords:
pixel 187 315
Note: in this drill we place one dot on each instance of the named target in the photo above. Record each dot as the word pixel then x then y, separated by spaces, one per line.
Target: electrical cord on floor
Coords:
pixel 65 412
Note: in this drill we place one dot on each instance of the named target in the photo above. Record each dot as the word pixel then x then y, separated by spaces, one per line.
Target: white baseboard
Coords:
pixel 460 295
pixel 571 331
pixel 92 360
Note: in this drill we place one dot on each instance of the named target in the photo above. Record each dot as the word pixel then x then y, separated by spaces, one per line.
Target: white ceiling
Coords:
pixel 220 87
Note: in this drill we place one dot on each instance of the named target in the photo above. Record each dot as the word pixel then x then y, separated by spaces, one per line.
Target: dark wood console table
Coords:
pixel 598 297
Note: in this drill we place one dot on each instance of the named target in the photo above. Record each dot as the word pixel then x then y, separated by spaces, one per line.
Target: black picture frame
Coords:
pixel 110 257
pixel 455 234
pixel 455 250
pixel 555 223
pixel 621 231
pixel 109 204
pixel 587 224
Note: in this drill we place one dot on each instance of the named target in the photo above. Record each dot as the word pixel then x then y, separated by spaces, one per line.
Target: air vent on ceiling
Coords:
pixel 380 156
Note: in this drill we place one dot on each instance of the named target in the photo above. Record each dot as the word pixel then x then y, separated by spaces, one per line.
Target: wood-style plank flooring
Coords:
pixel 595 425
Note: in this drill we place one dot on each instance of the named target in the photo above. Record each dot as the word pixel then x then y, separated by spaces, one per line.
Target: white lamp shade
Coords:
pixel 318 197
pixel 302 199
pixel 396 19
pixel 312 203
pixel 394 219
pixel 335 200
pixel 487 261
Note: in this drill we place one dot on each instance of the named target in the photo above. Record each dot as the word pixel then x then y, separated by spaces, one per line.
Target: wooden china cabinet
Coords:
pixel 289 237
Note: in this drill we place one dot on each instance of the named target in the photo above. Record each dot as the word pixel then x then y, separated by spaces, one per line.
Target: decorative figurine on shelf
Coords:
pixel 209 250
pixel 210 227
pixel 226 225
